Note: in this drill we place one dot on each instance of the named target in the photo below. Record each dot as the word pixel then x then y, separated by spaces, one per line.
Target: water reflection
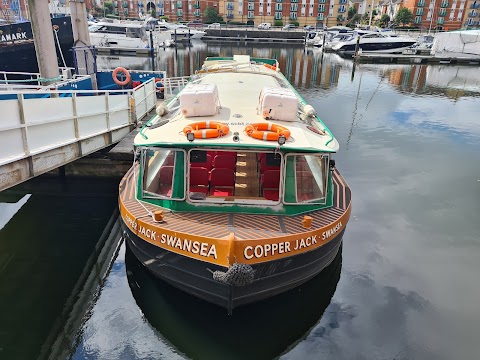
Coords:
pixel 259 331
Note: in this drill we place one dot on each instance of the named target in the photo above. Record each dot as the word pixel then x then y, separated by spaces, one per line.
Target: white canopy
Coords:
pixel 462 43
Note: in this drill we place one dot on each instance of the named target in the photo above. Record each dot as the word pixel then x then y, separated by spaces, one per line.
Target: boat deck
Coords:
pixel 244 226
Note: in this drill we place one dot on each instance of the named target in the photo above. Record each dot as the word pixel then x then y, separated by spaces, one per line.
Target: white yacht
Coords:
pixel 131 35
pixel 180 32
pixel 374 42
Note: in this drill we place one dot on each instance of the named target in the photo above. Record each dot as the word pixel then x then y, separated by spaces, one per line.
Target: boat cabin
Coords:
pixel 262 152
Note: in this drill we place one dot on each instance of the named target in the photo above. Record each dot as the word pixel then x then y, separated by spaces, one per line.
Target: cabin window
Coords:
pixel 163 174
pixel 241 177
pixel 306 179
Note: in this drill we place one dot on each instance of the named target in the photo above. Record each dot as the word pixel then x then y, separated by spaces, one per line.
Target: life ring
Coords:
pixel 272 67
pixel 159 84
pixel 267 131
pixel 207 129
pixel 125 73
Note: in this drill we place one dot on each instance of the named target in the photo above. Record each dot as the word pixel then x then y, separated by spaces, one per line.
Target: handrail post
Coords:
pixel 23 129
pixel 75 123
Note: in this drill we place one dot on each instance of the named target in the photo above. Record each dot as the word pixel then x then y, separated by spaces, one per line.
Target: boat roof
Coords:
pixel 239 82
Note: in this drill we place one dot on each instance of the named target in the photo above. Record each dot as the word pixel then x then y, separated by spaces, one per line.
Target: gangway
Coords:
pixel 44 128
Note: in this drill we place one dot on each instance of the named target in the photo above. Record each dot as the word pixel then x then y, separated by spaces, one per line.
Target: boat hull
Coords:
pixel 195 277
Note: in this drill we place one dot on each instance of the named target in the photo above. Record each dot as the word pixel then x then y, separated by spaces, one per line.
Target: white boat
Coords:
pixel 180 32
pixel 131 35
pixel 314 37
pixel 374 42
pixel 461 43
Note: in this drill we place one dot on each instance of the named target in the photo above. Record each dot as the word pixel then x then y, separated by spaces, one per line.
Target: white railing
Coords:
pixel 173 85
pixel 39 134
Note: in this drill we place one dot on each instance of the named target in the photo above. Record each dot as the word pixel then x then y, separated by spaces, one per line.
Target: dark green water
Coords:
pixel 405 286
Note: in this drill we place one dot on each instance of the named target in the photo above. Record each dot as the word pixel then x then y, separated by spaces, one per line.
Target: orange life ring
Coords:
pixel 207 129
pixel 267 131
pixel 160 81
pixel 125 73
pixel 272 67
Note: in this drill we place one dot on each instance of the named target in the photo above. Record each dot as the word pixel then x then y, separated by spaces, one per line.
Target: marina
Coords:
pixel 193 203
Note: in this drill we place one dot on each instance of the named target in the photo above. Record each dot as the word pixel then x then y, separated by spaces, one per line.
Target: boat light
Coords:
pixel 282 139
pixel 236 137
pixel 190 136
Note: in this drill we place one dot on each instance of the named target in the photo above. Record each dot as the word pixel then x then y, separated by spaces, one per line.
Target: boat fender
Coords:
pixel 124 72
pixel 237 275
pixel 309 110
pixel 162 110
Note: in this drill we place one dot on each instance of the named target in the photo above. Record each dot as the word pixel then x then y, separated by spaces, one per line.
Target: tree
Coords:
pixel 340 18
pixel 352 11
pixel 153 13
pixel 210 15
pixel 404 16
pixel 108 7
pixel 384 20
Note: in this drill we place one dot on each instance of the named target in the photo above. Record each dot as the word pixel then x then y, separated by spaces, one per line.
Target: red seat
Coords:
pixel 222 182
pixel 170 159
pixel 207 164
pixel 199 180
pixel 225 162
pixel 270 182
pixel 227 153
pixel 165 180
pixel 264 167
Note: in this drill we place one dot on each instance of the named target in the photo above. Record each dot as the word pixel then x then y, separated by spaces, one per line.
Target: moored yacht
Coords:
pixel 234 196
pixel 374 42
pixel 129 35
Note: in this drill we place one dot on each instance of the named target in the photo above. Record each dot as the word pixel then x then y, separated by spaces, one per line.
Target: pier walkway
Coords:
pixel 44 128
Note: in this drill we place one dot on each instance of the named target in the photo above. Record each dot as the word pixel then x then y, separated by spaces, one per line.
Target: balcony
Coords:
pixel 250 15
pixel 230 6
pixel 441 21
pixel 115 3
pixel 418 20
pixel 442 12
pixel 196 5
pixel 444 4
pixel 320 17
pixel 321 8
pixel 179 13
pixel 472 14
pixel 474 6
pixel 421 3
pixel 419 11
pixel 343 1
pixel 229 16
pixel 179 4
pixel 293 16
pixel 342 9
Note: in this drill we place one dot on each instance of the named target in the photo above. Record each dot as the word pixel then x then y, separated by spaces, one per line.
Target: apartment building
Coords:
pixel 438 14
pixel 305 12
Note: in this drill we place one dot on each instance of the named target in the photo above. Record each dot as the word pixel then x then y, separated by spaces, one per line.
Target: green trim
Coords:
pixel 273 146
pixel 290 180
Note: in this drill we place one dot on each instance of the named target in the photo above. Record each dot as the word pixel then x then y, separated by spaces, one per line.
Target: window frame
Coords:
pixel 149 195
pixel 327 172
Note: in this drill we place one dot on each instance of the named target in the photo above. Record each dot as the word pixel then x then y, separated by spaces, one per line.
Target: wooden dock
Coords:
pixel 414 59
